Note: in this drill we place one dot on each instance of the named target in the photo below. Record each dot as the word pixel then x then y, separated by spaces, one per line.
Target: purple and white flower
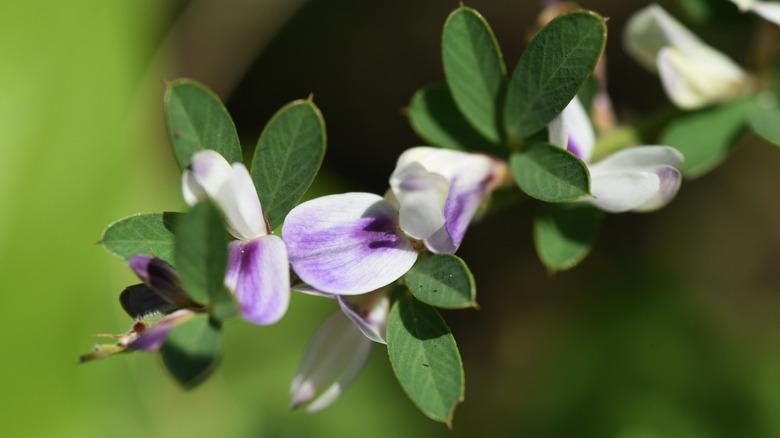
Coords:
pixel 693 74
pixel 767 10
pixel 339 349
pixel 258 273
pixel 640 178
pixel 146 334
pixel 354 243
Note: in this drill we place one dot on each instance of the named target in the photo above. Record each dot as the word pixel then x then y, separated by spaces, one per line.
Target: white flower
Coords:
pixel 258 272
pixel 766 10
pixel 693 74
pixel 339 349
pixel 640 178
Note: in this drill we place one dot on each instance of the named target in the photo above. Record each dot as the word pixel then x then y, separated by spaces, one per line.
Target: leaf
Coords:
pixel 565 233
pixel 474 68
pixel 147 234
pixel 139 300
pixel 198 120
pixel 587 93
pixel 550 173
pixel 766 123
pixel 552 69
pixel 288 157
pixel 191 350
pixel 425 358
pixel 201 252
pixel 437 120
pixel 706 137
pixel 442 280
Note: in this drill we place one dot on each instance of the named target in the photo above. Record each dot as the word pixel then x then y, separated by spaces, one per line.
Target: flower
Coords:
pixel 258 273
pixel 161 292
pixel 354 243
pixel 766 10
pixel 438 191
pixel 640 178
pixel 339 349
pixel 693 74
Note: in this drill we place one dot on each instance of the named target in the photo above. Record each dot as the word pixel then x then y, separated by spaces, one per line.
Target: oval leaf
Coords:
pixel 552 69
pixel 474 69
pixel 198 120
pixel 201 252
pixel 706 137
pixel 147 234
pixel 288 157
pixel 565 233
pixel 425 358
pixel 442 280
pixel 191 350
pixel 549 173
pixel 766 123
pixel 435 118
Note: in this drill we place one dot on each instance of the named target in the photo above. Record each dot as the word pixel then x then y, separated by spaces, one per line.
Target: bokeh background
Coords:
pixel 669 329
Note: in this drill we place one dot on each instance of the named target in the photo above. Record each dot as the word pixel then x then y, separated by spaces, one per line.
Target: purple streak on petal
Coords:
pixel 140 265
pixel 369 328
pixel 459 209
pixel 574 149
pixel 153 337
pixel 259 277
pixel 347 244
pixel 669 180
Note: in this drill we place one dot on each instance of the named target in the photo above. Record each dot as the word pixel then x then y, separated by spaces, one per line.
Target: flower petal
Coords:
pixel 152 338
pixel 336 354
pixel 693 73
pixel 641 178
pixel 640 158
pixel 573 130
pixel 462 204
pixel 421 196
pixel 618 192
pixel 369 315
pixel 347 244
pixel 259 277
pixel 161 278
pixel 670 180
pixel 231 188
pixel 696 81
pixel 767 10
pixel 651 29
pixel 463 180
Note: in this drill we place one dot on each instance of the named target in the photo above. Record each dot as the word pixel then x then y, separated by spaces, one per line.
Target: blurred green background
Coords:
pixel 669 329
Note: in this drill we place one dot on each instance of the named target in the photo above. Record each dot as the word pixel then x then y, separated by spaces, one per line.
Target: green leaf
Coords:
pixel 766 123
pixel 201 252
pixel 437 120
pixel 474 69
pixel 191 350
pixel 706 137
pixel 550 173
pixel 442 280
pixel 588 92
pixel 288 157
pixel 198 120
pixel 564 234
pixel 425 358
pixel 147 234
pixel 552 69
